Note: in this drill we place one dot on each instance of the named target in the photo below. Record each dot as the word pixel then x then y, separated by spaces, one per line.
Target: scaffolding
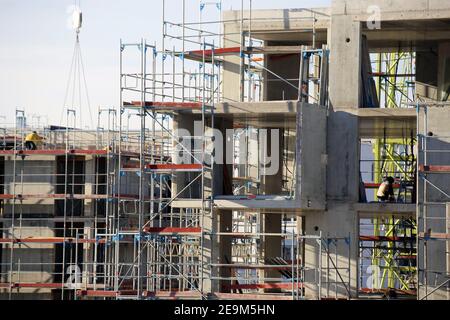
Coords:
pixel 387 244
pixel 50 201
pixel 113 216
pixel 433 209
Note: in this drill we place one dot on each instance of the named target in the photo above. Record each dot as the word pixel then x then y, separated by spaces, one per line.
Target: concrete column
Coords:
pixel 231 81
pixel 447 251
pixel 345 61
pixel 271 184
pixel 89 186
pixel 444 71
pixel 183 125
pixel 339 219
pixel 270 245
pixel 217 249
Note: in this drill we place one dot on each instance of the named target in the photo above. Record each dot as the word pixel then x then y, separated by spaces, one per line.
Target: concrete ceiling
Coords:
pixel 412 34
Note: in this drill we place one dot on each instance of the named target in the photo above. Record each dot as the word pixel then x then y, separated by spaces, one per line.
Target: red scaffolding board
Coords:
pixel 371 185
pixel 173 230
pixel 166 105
pixel 50 240
pixel 53 196
pixel 386 291
pixel 274 285
pixel 156 294
pixel 217 52
pixel 436 169
pixel 43 285
pixel 434 235
pixel 165 166
pixel 54 152
pixel 97 293
pixel 68 196
pixel 251 296
pixel 256 266
pixel 174 167
pixel 386 238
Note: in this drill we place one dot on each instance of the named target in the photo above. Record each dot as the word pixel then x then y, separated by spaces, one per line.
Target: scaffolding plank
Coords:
pixel 156 294
pixel 174 167
pixel 269 285
pixel 53 196
pixel 434 235
pixel 43 285
pixel 172 294
pixel 173 230
pixel 49 285
pixel 253 266
pixel 434 169
pixel 54 152
pixel 385 291
pixel 386 238
pixel 370 185
pixel 251 296
pixel 406 257
pixel 174 105
pixel 49 240
pixel 97 293
pixel 165 166
pixel 217 52
pixel 273 50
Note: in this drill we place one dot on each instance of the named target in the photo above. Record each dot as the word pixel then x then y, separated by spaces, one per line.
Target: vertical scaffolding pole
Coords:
pixel 183 50
pixel 119 175
pixel 140 267
pixel 241 54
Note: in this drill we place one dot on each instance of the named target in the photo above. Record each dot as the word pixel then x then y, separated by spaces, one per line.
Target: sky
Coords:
pixel 36 47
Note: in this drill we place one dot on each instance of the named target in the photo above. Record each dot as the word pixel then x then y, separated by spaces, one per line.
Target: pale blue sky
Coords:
pixel 36 46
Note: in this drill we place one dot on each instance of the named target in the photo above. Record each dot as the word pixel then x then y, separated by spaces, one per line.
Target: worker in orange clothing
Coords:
pixel 386 190
pixel 32 140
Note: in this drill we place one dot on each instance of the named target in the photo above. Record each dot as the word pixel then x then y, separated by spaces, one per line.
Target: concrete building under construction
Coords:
pixel 243 162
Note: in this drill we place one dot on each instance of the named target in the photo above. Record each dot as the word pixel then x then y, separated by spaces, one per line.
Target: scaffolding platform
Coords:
pixel 169 106
pixel 58 152
pixel 434 169
pixel 434 235
pixel 268 285
pixel 173 230
pixel 50 240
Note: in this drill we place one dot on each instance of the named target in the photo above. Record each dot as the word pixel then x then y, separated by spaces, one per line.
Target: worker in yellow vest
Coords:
pixel 32 140
pixel 386 190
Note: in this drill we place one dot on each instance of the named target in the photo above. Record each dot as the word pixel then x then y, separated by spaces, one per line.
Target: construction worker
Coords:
pixel 386 190
pixel 32 139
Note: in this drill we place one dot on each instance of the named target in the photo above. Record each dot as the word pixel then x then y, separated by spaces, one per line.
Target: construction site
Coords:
pixel 244 161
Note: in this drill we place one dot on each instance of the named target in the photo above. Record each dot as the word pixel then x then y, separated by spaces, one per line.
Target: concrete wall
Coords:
pixel 37 262
pixel 38 178
pixel 311 156
pixel 342 176
pixel 32 262
pixel 392 10
pixel 443 71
